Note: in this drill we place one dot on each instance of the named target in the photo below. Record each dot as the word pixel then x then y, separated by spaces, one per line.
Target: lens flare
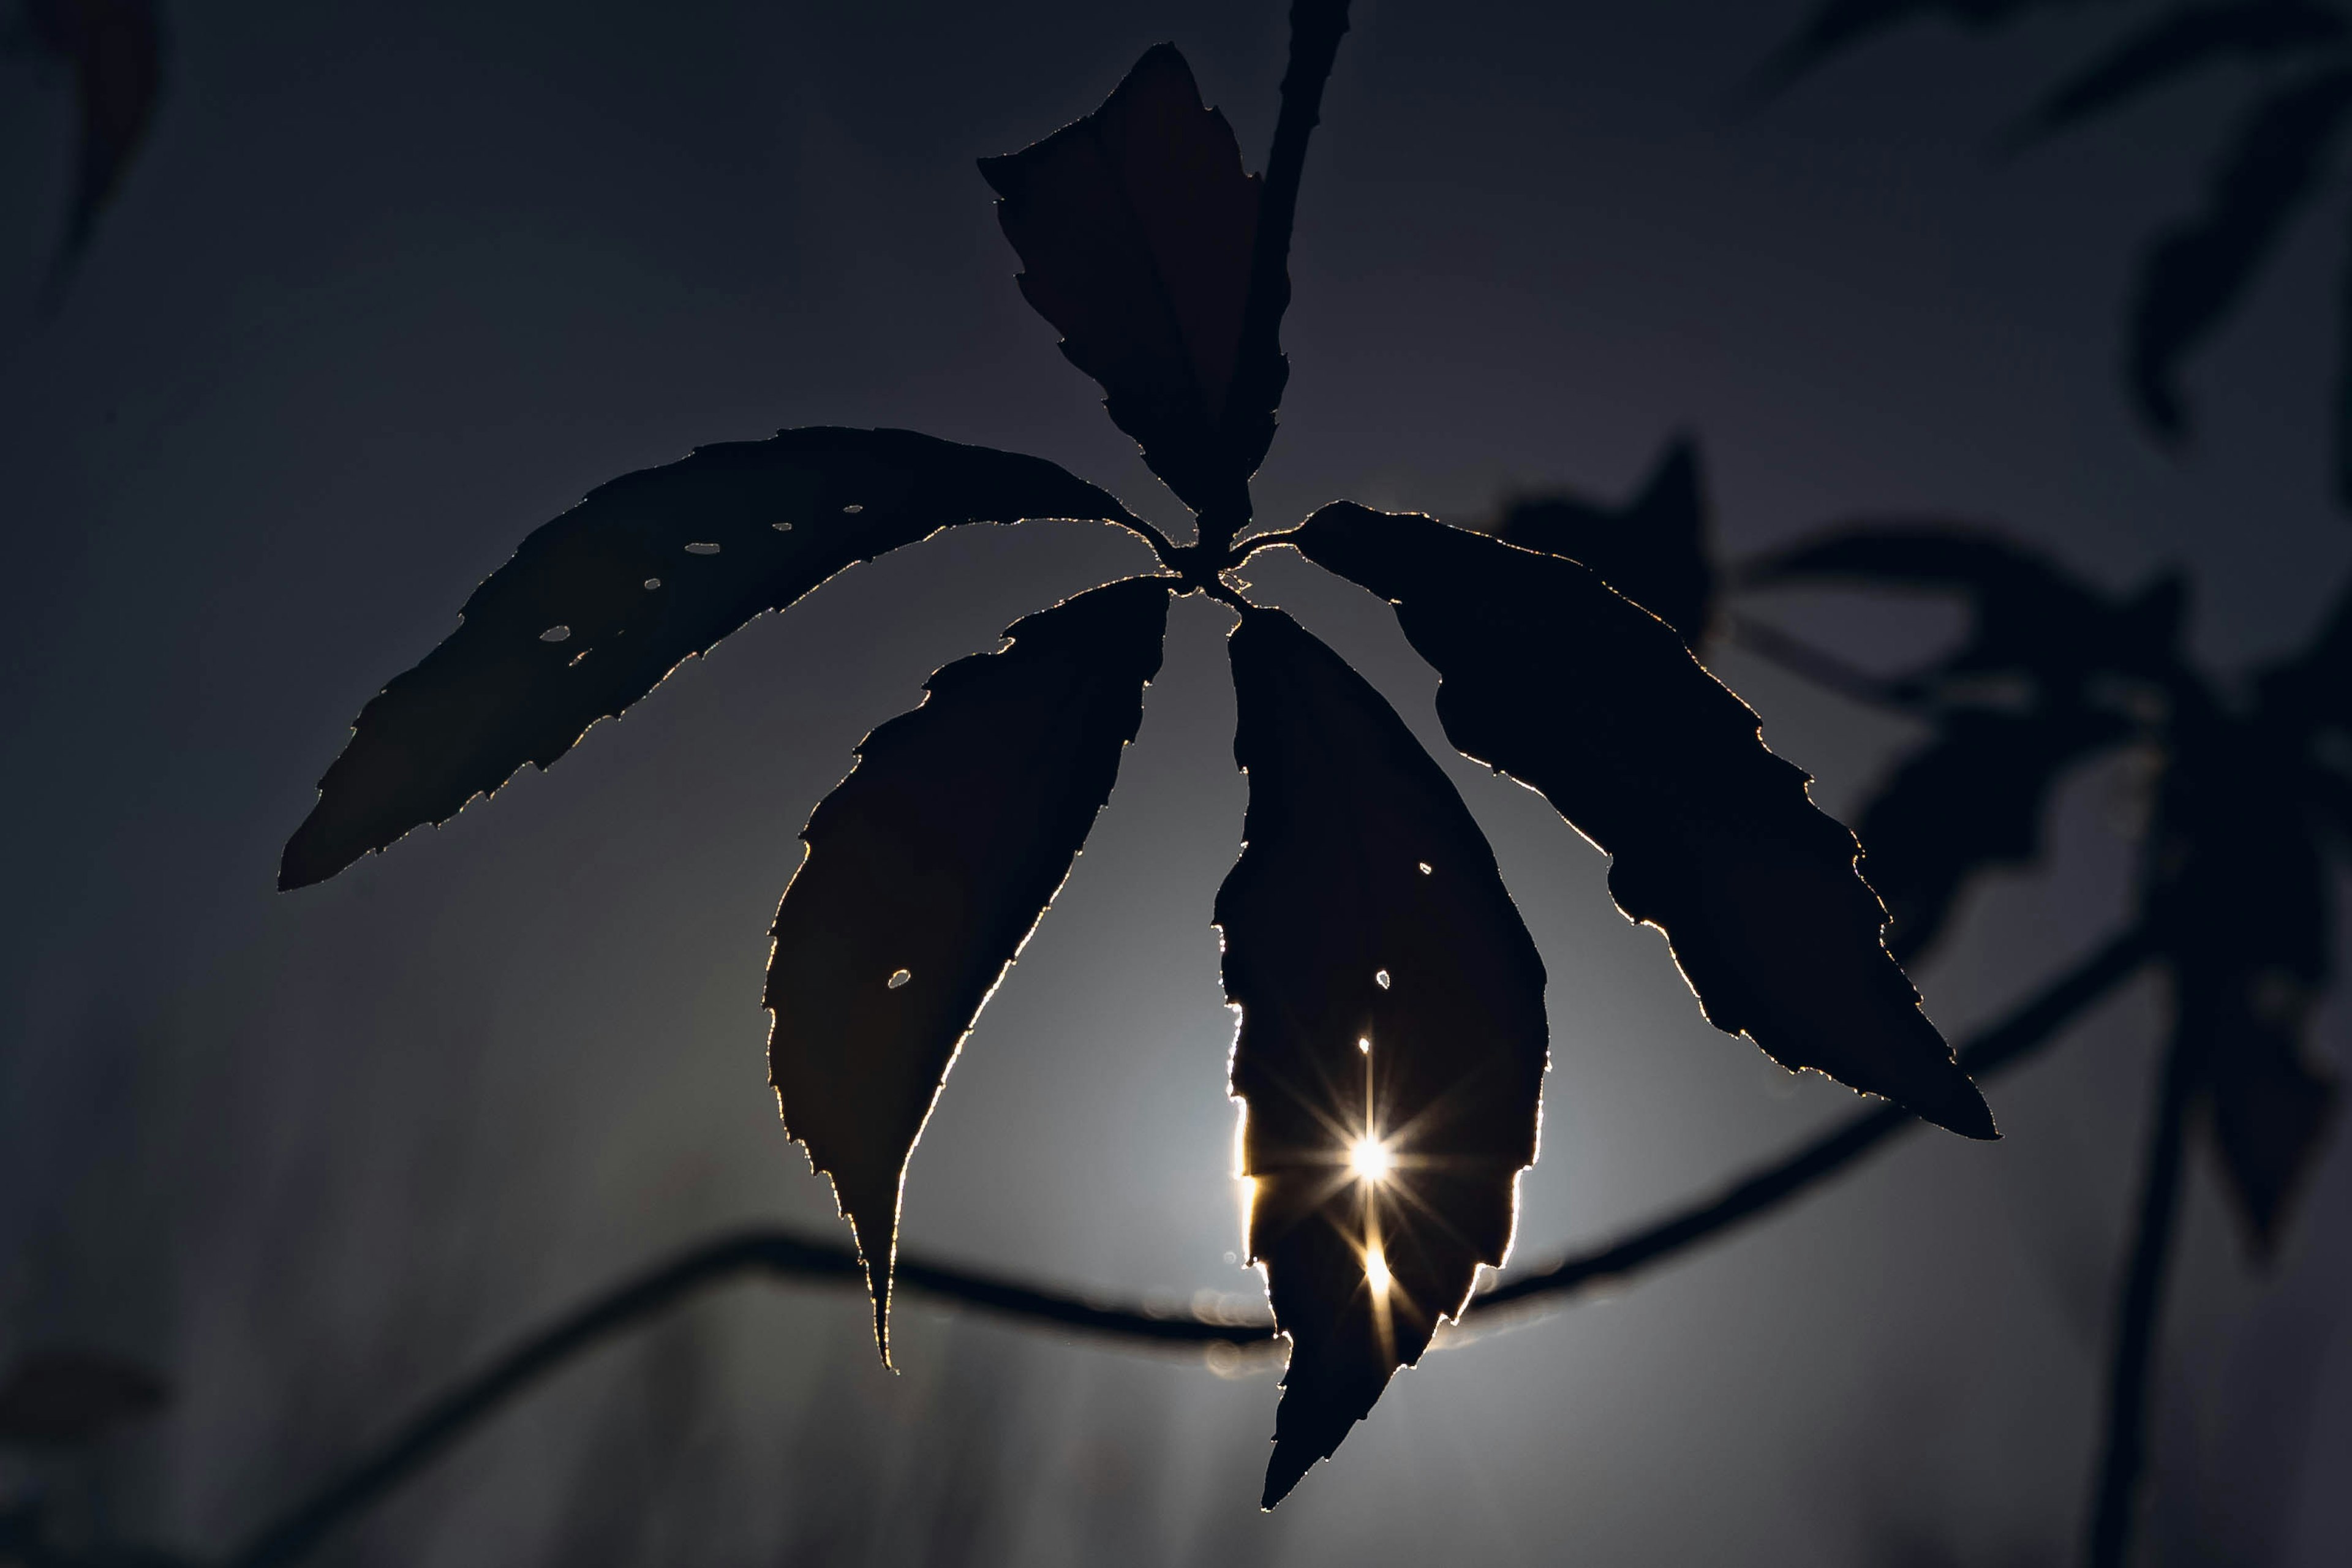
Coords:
pixel 1369 1159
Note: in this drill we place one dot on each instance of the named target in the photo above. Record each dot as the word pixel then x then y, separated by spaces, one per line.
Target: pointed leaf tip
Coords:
pixel 1549 677
pixel 927 869
pixel 648 572
pixel 1393 1040
pixel 1135 228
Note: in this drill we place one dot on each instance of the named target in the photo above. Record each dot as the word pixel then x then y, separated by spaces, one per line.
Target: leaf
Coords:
pixel 1388 990
pixel 1652 550
pixel 927 869
pixel 1969 800
pixel 59 1397
pixel 2177 43
pixel 2193 275
pixel 116 50
pixel 1135 228
pixel 598 607
pixel 1837 26
pixel 2244 894
pixel 1551 677
pixel 2030 615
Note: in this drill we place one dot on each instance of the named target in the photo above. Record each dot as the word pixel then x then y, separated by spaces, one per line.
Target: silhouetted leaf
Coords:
pixel 1972 798
pixel 1388 992
pixel 1652 550
pixel 928 866
pixel 1551 677
pixel 66 1396
pixel 2244 892
pixel 1135 228
pixel 2195 272
pixel 597 606
pixel 2177 43
pixel 1837 26
pixel 116 50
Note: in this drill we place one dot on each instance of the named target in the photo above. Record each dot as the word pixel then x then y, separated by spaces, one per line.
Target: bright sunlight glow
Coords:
pixel 1376 1271
pixel 1370 1161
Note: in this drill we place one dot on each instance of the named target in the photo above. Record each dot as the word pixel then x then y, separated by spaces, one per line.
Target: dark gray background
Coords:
pixel 396 283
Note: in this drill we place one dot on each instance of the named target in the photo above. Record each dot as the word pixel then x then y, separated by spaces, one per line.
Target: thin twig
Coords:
pixel 786 1257
pixel 2137 1314
pixel 1815 664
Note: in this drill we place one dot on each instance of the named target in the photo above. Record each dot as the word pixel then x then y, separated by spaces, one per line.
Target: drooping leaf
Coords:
pixel 1970 799
pixel 59 1397
pixel 1136 228
pixel 927 869
pixel 2179 42
pixel 1652 550
pixel 2243 896
pixel 1391 1012
pixel 596 607
pixel 115 49
pixel 2193 274
pixel 1553 678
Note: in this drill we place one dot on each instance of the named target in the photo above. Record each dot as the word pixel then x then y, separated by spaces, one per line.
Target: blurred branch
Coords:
pixel 2021 1034
pixel 786 1257
pixel 1817 665
pixel 2137 1314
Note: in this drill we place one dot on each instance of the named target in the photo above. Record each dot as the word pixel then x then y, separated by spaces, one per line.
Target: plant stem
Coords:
pixel 2020 1034
pixel 1316 29
pixel 2138 1312
pixel 787 1256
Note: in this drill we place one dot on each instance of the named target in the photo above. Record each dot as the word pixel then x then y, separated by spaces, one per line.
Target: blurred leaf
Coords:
pixel 2244 892
pixel 1971 799
pixel 1654 549
pixel 1388 992
pixel 1551 677
pixel 1136 228
pixel 1837 26
pixel 2177 43
pixel 2029 614
pixel 598 607
pixel 115 49
pixel 59 1397
pixel 2072 670
pixel 928 867
pixel 2195 272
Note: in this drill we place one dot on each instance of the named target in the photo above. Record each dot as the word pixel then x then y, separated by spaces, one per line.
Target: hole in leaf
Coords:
pixel 1380 979
pixel 899 978
pixel 555 633
pixel 782 527
pixel 1364 1044
pixel 853 509
pixel 702 549
pixel 1424 868
pixel 577 658
pixel 652 583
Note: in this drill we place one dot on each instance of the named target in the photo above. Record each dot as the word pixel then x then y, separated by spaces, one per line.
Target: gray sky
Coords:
pixel 396 284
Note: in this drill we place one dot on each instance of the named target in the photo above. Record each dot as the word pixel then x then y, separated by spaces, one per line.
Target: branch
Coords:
pixel 1817 665
pixel 2136 1313
pixel 786 1257
pixel 2019 1035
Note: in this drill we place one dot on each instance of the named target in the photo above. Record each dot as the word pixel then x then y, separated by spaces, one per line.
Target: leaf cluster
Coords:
pixel 1393 1034
pixel 2280 156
